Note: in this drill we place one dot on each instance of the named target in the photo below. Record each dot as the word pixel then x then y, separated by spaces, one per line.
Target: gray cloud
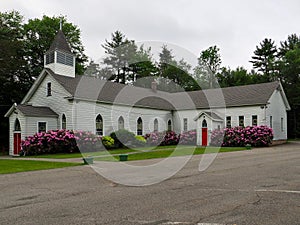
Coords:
pixel 236 27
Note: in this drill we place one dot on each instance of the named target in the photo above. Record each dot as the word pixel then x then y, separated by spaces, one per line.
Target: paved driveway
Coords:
pixel 260 186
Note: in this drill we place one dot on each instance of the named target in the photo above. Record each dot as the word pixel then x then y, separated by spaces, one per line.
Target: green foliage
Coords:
pixel 174 76
pixel 120 51
pixel 208 66
pixel 140 140
pixel 108 142
pixel 264 59
pixel 14 79
pixel 289 70
pixel 123 138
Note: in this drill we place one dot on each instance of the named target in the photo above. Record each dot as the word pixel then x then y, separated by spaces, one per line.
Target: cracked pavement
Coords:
pixel 260 186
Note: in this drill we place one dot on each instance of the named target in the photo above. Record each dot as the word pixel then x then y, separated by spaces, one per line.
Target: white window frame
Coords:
pixel 61 121
pixel 95 122
pixel 256 120
pixel 243 121
pixel 137 126
pixel 155 124
pixel 47 95
pixel 168 125
pixel 230 121
pixel 185 124
pixel 37 126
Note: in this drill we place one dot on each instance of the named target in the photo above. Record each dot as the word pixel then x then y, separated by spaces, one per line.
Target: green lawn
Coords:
pixel 170 151
pixel 143 153
pixel 79 155
pixel 15 166
pixel 100 153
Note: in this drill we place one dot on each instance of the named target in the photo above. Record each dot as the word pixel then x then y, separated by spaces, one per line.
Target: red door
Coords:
pixel 204 136
pixel 17 143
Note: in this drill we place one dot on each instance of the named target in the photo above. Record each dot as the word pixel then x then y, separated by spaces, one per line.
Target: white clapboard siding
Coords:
pixel 87 111
pixel 277 110
pixel 56 101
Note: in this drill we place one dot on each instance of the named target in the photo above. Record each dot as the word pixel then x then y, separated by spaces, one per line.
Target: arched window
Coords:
pixel 63 122
pixel 139 128
pixel 169 125
pixel 17 125
pixel 155 125
pixel 204 123
pixel 99 125
pixel 121 123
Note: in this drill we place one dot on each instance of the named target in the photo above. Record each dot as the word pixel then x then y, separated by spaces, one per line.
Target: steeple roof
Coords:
pixel 60 43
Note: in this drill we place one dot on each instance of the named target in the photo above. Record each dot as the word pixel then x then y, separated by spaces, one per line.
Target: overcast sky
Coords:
pixel 235 26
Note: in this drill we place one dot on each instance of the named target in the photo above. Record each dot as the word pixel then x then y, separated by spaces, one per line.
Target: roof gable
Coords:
pixel 213 116
pixel 37 83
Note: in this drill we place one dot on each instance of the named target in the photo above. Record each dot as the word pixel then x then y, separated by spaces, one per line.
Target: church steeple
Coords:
pixel 59 58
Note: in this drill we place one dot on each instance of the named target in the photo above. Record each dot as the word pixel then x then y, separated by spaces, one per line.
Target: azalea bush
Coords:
pixel 162 138
pixel 188 137
pixel 60 141
pixel 256 136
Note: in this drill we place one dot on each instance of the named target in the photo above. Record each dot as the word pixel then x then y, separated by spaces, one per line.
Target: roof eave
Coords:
pixel 10 111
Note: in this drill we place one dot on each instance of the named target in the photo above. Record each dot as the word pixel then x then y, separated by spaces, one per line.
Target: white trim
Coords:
pixel 11 109
pixel 205 113
pixel 172 128
pixel 282 93
pixel 49 82
pixel 37 125
pixel 95 125
pixel 61 117
pixel 136 128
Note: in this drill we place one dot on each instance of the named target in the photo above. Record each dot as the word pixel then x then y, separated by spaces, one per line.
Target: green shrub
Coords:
pixel 140 140
pixel 123 138
pixel 108 142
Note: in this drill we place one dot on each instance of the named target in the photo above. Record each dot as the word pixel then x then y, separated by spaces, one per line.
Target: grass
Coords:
pixel 100 153
pixel 143 153
pixel 80 155
pixel 166 152
pixel 16 166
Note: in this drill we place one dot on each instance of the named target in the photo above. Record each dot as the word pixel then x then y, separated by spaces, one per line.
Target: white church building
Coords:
pixel 59 99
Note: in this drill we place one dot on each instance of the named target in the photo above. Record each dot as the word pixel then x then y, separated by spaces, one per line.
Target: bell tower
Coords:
pixel 59 58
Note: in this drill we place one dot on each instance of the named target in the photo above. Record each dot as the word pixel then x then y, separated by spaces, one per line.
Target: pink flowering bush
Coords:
pixel 188 137
pixel 256 136
pixel 60 141
pixel 162 138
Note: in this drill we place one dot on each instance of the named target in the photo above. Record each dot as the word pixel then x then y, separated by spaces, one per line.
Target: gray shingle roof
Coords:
pixel 60 43
pixel 256 94
pixel 213 115
pixel 39 111
pixel 91 88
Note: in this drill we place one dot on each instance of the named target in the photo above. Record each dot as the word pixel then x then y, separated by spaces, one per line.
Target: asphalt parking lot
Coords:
pixel 260 186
